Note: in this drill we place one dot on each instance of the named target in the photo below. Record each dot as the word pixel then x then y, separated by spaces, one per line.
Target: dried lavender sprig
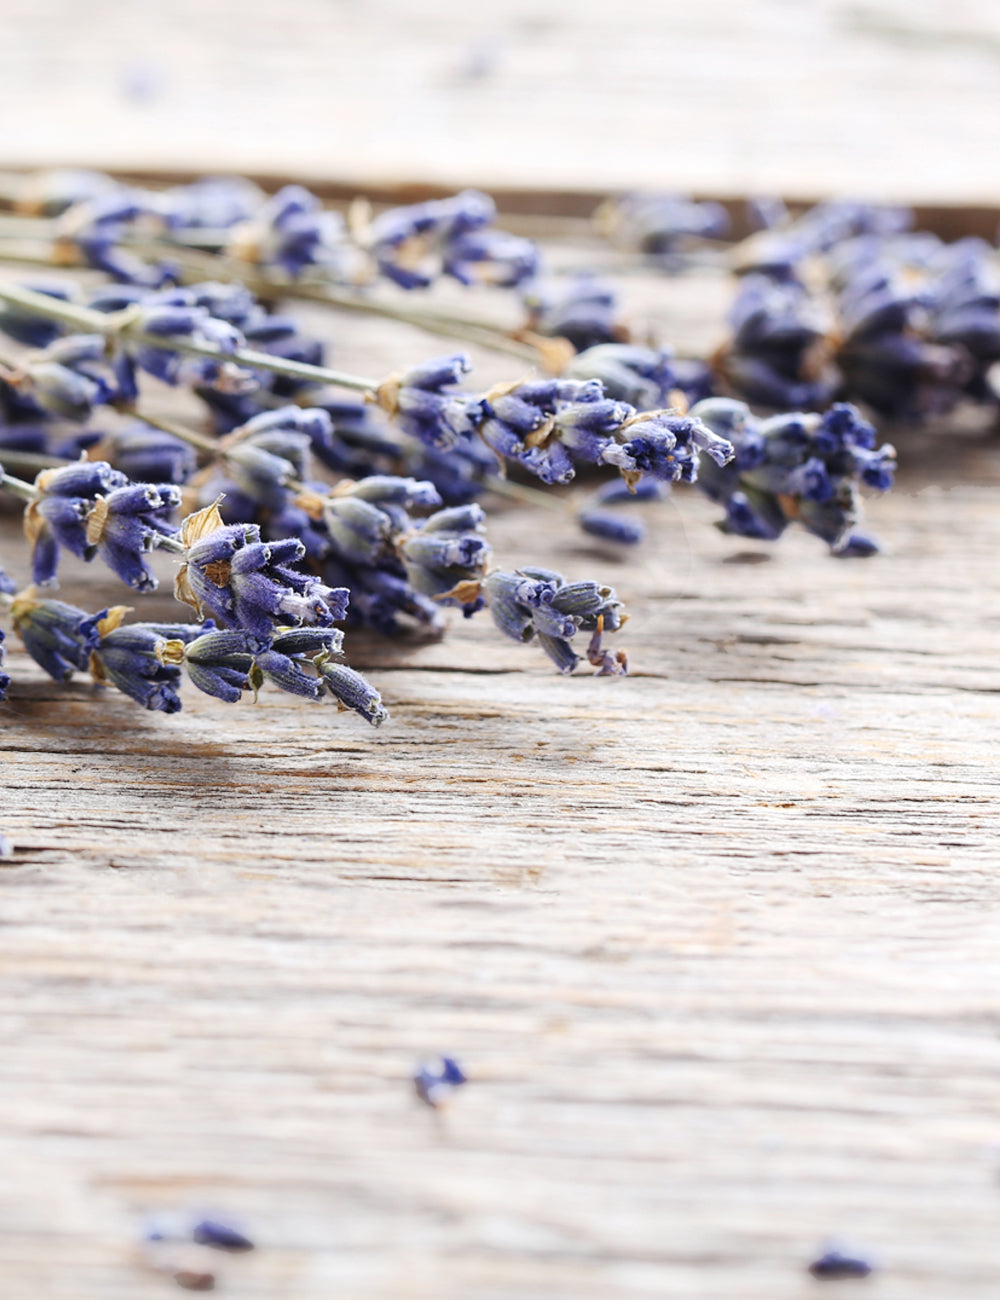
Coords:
pixel 123 325
pixel 144 660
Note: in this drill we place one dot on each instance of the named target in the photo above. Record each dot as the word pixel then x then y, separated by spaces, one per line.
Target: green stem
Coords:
pixel 122 325
pixel 26 491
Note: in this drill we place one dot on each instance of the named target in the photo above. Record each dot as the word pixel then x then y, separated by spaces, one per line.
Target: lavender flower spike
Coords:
pixel 249 584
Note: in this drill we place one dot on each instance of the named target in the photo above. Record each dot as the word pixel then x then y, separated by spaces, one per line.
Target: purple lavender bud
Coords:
pixel 445 556
pixel 753 514
pixel 351 691
pixel 411 245
pixel 211 202
pixel 261 476
pixel 657 224
pixel 148 455
pixel 218 663
pixel 127 657
pixel 359 531
pixel 584 312
pixel 643 377
pixel 857 546
pixel 55 635
pixel 491 257
pixel 539 602
pixel 435 1083
pixel 834 1266
pixel 385 489
pixel 34 331
pixel 220 1236
pixel 125 525
pixel 291 231
pixel 417 399
pixel 610 527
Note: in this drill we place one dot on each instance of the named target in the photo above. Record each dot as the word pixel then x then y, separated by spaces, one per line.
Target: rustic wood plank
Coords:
pixel 886 99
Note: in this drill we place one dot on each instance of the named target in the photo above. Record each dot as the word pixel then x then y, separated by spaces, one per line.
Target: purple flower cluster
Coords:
pixel 661 225
pixel 91 509
pixel 532 603
pixel 796 467
pixel 413 245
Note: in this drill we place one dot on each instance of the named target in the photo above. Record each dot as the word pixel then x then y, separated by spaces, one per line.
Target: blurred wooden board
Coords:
pixel 718 943
pixel 877 98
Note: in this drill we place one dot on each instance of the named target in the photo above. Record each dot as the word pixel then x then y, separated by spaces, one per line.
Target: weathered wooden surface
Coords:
pixel 717 943
pixel 882 98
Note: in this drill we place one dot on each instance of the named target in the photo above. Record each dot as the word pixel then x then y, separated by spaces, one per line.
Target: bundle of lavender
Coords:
pixel 306 508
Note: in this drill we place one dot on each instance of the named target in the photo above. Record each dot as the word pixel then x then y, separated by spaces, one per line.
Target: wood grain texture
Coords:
pixel 880 98
pixel 717 943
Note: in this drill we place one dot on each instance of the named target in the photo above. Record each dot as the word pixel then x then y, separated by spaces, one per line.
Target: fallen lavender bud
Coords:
pixel 220 1236
pixel 835 1266
pixel 6 845
pixel 436 1084
pixel 594 517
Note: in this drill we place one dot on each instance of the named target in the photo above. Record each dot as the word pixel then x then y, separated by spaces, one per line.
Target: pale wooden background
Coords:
pixel 718 943
pixel 888 98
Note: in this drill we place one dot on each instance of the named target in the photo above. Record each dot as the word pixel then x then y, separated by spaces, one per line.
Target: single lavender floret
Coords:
pixel 608 525
pixel 6 843
pixel 54 634
pixel 833 1265
pixel 351 691
pixel 436 1083
pixel 220 1236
